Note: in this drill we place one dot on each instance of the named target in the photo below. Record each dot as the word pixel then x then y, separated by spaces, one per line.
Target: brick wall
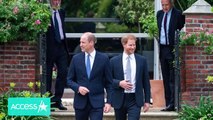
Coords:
pixel 194 22
pixel 197 65
pixel 18 62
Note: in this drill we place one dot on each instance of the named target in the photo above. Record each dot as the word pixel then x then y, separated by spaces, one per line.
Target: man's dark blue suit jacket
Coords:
pixel 177 21
pixel 100 78
pixel 142 90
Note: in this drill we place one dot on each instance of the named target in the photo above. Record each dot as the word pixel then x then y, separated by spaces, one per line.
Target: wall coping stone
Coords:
pixel 200 6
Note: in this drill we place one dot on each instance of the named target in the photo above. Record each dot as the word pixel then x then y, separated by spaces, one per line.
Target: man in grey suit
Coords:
pixel 89 73
pixel 130 82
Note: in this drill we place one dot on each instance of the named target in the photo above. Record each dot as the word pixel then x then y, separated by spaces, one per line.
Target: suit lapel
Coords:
pixel 120 63
pixel 95 64
pixel 82 62
pixel 172 19
pixel 138 62
pixel 160 20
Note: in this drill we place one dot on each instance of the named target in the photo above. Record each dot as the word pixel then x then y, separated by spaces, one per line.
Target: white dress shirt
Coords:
pixel 59 23
pixel 133 70
pixel 162 34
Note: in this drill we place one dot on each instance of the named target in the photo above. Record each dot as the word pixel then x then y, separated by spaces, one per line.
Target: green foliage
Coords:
pixel 183 4
pixel 202 38
pixel 131 10
pixel 204 110
pixel 209 79
pixel 86 7
pixel 80 8
pixel 104 8
pixel 23 19
pixel 116 28
pixel 149 24
pixel 12 93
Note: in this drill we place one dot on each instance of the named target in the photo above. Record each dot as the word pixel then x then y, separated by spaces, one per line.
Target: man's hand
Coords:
pixel 83 90
pixel 126 85
pixel 146 107
pixel 107 107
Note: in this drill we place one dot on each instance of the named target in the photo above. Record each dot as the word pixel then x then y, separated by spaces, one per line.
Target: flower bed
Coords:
pixel 23 19
pixel 199 38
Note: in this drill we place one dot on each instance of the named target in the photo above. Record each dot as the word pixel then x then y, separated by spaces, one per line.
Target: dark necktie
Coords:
pixel 165 29
pixel 88 66
pixel 57 33
pixel 128 69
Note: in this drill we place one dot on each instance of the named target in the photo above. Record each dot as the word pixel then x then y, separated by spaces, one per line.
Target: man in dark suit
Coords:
pixel 57 54
pixel 130 82
pixel 169 20
pixel 89 73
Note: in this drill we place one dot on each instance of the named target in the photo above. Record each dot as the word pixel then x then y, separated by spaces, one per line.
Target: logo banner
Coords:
pixel 29 106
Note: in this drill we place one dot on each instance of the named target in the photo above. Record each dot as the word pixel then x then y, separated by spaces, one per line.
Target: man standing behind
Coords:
pixel 130 82
pixel 56 54
pixel 169 20
pixel 89 73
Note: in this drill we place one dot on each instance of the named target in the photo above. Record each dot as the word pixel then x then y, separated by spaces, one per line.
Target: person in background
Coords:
pixel 57 54
pixel 89 73
pixel 169 20
pixel 130 82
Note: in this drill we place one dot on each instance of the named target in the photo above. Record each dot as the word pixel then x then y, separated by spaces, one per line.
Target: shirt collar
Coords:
pixel 169 12
pixel 92 54
pixel 54 11
pixel 125 56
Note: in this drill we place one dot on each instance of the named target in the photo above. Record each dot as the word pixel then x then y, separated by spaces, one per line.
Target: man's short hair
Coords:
pixel 125 38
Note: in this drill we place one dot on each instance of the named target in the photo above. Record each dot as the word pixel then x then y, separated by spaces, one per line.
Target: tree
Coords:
pixel 130 11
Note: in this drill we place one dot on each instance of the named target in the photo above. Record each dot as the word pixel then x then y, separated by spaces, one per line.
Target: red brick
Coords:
pixel 31 66
pixel 27 53
pixel 200 66
pixel 207 62
pixel 193 16
pixel 204 71
pixel 193 62
pixel 188 20
pixel 189 76
pixel 207 16
pixel 11 52
pixel 189 30
pixel 192 25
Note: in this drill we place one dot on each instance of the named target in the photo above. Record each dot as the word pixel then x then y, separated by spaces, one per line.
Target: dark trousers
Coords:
pixel 58 58
pixel 166 60
pixel 89 113
pixel 129 109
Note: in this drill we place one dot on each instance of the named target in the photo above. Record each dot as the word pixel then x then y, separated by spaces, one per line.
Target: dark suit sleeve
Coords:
pixel 179 18
pixel 159 24
pixel 182 21
pixel 158 19
pixel 108 81
pixel 146 82
pixel 71 76
pixel 116 82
